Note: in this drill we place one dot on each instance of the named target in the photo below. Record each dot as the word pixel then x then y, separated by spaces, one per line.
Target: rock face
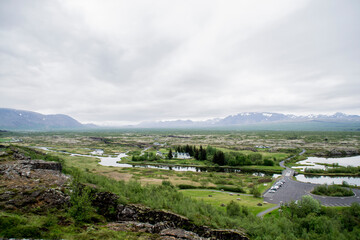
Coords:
pixel 165 232
pixel 138 218
pixel 29 183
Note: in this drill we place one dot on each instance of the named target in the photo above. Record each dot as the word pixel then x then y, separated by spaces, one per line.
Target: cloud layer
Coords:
pixel 114 62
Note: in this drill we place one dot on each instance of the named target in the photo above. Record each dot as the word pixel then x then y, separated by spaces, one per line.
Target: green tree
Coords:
pixel 196 153
pixel 233 209
pixel 210 150
pixel 203 153
pixel 170 156
pixel 80 200
pixel 256 158
pixel 219 158
pixel 255 191
pixel 268 162
pixel 308 204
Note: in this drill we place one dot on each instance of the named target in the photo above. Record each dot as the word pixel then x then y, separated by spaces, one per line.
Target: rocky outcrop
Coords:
pixel 338 153
pixel 20 156
pixel 138 218
pixel 26 184
pixel 166 233
pixel 24 168
pixel 106 203
pixel 40 164
pixel 171 220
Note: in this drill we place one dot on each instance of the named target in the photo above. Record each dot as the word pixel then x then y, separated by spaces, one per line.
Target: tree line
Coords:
pixel 219 157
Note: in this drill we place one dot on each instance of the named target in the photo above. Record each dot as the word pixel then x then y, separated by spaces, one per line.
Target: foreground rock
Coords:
pixel 138 218
pixel 164 232
pixel 26 184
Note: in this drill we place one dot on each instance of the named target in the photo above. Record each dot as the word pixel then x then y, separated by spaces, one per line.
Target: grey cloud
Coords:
pixel 143 60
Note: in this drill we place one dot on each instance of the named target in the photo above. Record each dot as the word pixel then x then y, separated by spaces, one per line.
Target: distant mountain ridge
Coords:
pixel 248 118
pixel 13 119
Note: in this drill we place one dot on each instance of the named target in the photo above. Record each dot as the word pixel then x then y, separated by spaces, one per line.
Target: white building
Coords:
pixel 181 155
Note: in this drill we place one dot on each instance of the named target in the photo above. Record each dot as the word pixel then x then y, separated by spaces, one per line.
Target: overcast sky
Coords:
pixel 119 62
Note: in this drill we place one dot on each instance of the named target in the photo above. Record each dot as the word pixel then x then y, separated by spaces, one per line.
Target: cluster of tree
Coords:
pixel 240 159
pixel 221 158
pixel 195 152
pixel 146 156
pixel 314 220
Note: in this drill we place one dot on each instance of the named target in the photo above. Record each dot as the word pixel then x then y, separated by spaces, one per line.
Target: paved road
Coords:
pixel 294 190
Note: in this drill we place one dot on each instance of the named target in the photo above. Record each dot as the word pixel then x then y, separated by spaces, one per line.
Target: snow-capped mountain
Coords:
pixel 254 117
pixel 247 118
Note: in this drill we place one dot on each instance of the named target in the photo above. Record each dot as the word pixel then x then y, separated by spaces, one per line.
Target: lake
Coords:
pixel 328 180
pixel 311 162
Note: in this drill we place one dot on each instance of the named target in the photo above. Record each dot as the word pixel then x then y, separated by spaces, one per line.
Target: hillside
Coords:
pixel 12 119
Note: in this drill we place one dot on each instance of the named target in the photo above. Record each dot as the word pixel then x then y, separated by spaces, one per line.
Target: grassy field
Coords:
pixel 217 198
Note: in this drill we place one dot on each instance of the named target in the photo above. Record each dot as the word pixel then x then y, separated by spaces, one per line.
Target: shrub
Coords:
pixel 186 186
pixel 80 199
pixel 268 162
pixel 255 191
pixel 232 189
pixel 332 190
pixel 233 209
pixel 308 204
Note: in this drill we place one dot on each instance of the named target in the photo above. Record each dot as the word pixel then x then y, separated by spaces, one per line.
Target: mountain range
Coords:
pixel 251 118
pixel 12 119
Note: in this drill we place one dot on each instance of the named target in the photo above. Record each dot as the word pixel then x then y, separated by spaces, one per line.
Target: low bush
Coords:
pixel 186 186
pixel 234 209
pixel 231 189
pixel 332 190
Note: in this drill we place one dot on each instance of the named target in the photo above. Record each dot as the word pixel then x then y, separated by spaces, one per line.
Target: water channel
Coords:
pixel 313 163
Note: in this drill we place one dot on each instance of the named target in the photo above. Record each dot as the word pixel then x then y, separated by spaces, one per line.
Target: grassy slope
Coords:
pixel 58 225
pixel 224 197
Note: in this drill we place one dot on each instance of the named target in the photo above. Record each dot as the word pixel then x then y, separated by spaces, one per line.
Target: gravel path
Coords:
pixel 261 214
